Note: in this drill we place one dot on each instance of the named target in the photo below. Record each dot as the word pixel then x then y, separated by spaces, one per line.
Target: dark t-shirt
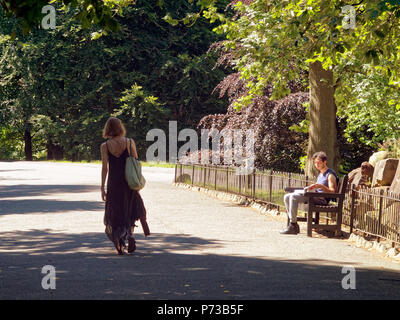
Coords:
pixel 323 179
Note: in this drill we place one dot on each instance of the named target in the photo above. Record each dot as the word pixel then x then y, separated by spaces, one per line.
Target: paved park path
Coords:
pixel 200 247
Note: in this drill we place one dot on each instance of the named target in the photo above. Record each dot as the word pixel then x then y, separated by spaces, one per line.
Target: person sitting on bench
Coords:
pixel 326 182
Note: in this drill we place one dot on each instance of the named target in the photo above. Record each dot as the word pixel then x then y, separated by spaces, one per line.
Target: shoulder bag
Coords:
pixel 133 171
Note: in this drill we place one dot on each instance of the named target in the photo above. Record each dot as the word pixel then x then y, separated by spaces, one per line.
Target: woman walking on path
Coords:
pixel 123 205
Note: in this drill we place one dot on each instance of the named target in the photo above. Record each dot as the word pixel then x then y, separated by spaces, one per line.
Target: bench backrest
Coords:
pixel 342 186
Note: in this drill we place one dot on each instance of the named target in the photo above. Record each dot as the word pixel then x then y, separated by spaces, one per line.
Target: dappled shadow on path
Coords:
pixel 26 190
pixel 46 206
pixel 21 206
pixel 169 266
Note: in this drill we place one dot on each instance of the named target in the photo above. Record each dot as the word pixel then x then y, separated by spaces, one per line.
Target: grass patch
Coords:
pixel 157 164
pixel 276 196
pixel 69 161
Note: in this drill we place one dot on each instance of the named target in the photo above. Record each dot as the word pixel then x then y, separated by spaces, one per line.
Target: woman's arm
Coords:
pixel 134 149
pixel 104 169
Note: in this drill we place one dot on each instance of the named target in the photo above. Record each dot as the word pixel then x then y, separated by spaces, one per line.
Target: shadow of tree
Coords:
pixel 45 206
pixel 26 190
pixel 16 179
pixel 169 266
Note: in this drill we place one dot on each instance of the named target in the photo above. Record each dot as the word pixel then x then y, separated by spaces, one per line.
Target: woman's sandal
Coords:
pixel 131 245
pixel 119 251
pixel 120 248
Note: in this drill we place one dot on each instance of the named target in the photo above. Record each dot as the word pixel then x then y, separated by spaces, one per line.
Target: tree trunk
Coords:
pixel 54 152
pixel 58 153
pixel 322 112
pixel 49 149
pixel 28 144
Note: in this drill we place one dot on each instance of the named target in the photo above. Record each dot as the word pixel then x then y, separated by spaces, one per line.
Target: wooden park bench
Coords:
pixel 335 208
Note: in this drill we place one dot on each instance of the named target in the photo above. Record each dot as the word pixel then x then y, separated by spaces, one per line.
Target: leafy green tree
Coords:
pixel 12 147
pixel 20 92
pixel 140 113
pixel 371 105
pixel 188 82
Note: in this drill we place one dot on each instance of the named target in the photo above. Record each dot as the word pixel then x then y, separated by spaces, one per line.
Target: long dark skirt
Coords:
pixel 123 209
pixel 123 205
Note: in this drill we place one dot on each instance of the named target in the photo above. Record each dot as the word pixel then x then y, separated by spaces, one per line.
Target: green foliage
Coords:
pixel 303 160
pixel 273 40
pixel 303 126
pixel 188 82
pixel 371 104
pixel 352 151
pixel 140 113
pixel 12 148
pixel 88 12
pixel 392 146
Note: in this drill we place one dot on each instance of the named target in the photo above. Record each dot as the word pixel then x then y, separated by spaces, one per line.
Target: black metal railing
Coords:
pixel 266 186
pixel 374 212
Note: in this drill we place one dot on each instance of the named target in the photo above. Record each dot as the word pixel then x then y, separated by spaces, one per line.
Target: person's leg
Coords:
pixel 286 200
pixel 292 201
pixel 131 240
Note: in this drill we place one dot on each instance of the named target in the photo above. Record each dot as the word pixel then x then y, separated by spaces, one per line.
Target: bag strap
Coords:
pixel 130 148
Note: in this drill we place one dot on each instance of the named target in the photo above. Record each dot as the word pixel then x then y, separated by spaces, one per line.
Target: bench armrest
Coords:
pixel 324 195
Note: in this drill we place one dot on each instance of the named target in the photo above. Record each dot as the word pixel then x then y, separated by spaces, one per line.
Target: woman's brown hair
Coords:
pixel 113 128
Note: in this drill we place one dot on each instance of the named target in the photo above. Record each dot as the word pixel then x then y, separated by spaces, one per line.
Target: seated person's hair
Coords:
pixel 321 155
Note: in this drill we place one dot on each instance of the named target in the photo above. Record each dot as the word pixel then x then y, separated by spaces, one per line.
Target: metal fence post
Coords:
pixel 176 166
pixel 353 197
pixel 215 178
pixel 253 184
pixel 240 183
pixel 270 186
pixel 205 173
pixel 380 214
pixel 245 183
pixel 227 177
pixel 192 180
